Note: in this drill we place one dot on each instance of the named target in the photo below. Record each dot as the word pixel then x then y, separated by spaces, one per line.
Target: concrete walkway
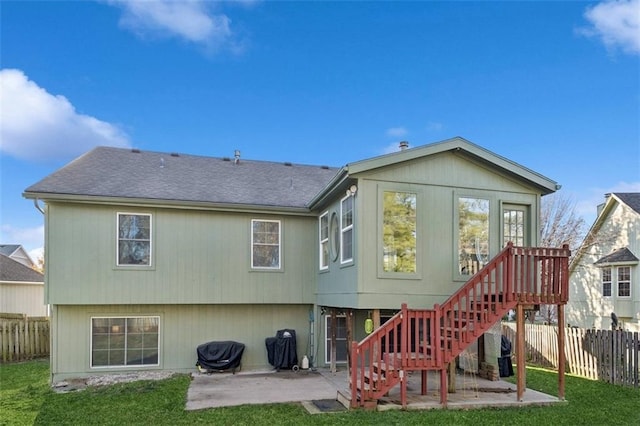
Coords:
pixel 225 389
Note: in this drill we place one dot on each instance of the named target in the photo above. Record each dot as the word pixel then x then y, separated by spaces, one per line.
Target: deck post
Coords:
pixel 443 385
pixel 561 353
pixel 353 374
pixel 349 337
pixel 423 386
pixel 520 355
pixel 451 388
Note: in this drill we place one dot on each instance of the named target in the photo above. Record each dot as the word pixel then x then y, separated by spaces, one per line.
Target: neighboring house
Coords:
pixel 18 253
pixel 605 275
pixel 150 254
pixel 21 288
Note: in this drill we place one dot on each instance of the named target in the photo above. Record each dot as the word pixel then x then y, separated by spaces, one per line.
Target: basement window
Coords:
pixel 125 341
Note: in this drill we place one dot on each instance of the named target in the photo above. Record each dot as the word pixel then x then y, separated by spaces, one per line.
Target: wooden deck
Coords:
pixel 431 339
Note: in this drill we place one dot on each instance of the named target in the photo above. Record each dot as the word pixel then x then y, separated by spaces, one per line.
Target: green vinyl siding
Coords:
pixel 181 329
pixel 437 188
pixel 198 257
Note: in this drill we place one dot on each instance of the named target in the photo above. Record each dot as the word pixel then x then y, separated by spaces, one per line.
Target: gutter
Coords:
pixel 333 184
pixel 158 203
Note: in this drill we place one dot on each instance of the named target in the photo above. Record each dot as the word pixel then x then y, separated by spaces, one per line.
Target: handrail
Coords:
pixel 418 339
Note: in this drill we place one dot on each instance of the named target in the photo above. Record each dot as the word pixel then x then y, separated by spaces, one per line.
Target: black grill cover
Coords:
pixel 281 350
pixel 220 355
pixel 505 366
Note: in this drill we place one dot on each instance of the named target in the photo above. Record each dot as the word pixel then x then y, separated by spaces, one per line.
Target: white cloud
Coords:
pixel 587 203
pixel 37 125
pixel 191 20
pixel 617 23
pixel 31 239
pixel 396 132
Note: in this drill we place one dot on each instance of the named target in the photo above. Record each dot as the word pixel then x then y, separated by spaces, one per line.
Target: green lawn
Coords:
pixel 25 398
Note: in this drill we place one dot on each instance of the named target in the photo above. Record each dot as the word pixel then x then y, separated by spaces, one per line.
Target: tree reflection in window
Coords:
pixel 265 241
pixel 399 232
pixel 134 239
pixel 473 234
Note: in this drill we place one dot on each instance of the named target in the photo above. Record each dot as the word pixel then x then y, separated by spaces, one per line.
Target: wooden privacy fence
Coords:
pixel 23 337
pixel 608 355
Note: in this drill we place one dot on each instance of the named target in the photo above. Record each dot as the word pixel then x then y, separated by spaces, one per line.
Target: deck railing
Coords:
pixel 430 339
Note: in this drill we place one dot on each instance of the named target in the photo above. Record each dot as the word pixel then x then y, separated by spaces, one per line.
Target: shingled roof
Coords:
pixel 620 255
pixel 106 172
pixel 632 199
pixel 12 270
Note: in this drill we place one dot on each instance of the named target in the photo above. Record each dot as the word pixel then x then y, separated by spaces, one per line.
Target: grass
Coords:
pixel 25 399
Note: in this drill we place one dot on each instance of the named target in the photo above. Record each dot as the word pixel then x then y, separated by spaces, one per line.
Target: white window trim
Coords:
pixel 268 268
pixel 610 282
pixel 344 230
pixel 327 340
pixel 382 188
pixel 323 241
pixel 119 367
pixel 618 282
pixel 128 265
pixel 493 221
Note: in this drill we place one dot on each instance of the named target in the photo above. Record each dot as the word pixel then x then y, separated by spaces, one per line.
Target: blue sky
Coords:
pixel 554 86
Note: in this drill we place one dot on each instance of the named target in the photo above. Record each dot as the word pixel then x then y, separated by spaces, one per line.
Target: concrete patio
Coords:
pixel 225 389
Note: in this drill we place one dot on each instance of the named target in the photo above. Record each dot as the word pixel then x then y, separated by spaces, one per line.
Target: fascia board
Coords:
pixel 22 282
pixel 333 186
pixel 456 144
pixel 174 204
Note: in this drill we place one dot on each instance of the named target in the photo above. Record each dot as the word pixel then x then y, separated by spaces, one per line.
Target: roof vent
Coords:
pixel 404 145
pixel 324 167
pixel 175 154
pixel 236 156
pixel 226 159
pixel 286 163
pixel 135 150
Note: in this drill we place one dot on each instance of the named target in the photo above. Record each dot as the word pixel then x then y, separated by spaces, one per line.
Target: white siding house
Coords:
pixel 605 275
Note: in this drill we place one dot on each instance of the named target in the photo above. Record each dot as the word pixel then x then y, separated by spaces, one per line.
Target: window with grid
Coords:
pixel 324 240
pixel 134 239
pixel 265 244
pixel 606 282
pixel 513 227
pixel 346 229
pixel 624 281
pixel 125 341
pixel 341 338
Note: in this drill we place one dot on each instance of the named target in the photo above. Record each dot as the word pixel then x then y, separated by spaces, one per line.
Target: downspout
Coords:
pixel 35 203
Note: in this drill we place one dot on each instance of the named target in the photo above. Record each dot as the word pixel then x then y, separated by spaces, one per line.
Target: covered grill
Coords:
pixel 219 356
pixel 282 351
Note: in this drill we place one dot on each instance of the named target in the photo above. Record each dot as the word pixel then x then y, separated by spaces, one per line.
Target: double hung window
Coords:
pixel 346 229
pixel 324 240
pixel 265 244
pixel 134 239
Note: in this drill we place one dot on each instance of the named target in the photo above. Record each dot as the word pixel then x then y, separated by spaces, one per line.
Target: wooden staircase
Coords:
pixel 422 340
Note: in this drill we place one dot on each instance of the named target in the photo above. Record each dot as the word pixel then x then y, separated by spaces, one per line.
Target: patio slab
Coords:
pixel 225 389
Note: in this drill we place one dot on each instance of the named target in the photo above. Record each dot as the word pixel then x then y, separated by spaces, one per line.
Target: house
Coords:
pixel 604 275
pixel 21 286
pixel 17 253
pixel 151 254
